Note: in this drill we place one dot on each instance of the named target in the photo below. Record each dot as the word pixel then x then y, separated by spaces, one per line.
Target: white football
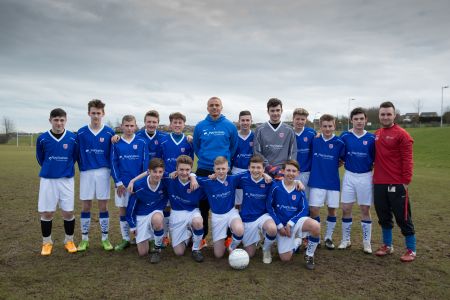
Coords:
pixel 238 259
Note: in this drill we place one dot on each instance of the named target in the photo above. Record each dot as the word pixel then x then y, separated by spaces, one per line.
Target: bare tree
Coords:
pixel 8 129
pixel 418 106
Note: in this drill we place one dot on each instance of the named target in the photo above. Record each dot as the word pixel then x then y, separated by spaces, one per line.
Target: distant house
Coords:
pixel 428 114
pixel 410 118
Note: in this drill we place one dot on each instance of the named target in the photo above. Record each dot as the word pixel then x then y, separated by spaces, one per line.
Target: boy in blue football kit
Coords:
pixel 185 217
pixel 129 158
pixel 151 135
pixel 324 181
pixel 56 153
pixel 145 210
pixel 357 182
pixel 94 164
pixel 241 159
pixel 288 207
pixel 304 137
pixel 254 211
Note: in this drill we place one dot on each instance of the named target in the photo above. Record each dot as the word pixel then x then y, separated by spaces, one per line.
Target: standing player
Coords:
pixel 145 210
pixel 129 157
pixel 185 217
pixel 213 137
pixel 304 137
pixel 289 209
pixel 56 153
pixel 244 151
pixel 324 181
pixel 274 140
pixel 392 175
pixel 254 211
pixel 94 163
pixel 357 181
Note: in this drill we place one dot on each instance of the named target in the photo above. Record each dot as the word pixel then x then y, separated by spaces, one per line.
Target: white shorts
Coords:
pixel 239 193
pixel 220 223
pixel 54 192
pixel 144 229
pixel 319 197
pixel 121 201
pixel 253 230
pixel 286 244
pixel 304 178
pixel 357 187
pixel 95 184
pixel 180 225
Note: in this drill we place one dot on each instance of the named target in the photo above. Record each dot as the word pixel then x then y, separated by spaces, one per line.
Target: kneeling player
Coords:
pixel 254 212
pixel 221 195
pixel 289 209
pixel 145 210
pixel 56 153
pixel 185 218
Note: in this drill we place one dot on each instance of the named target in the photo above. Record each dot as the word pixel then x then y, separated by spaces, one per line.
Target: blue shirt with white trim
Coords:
pixel 57 156
pixel 325 163
pixel 95 148
pixel 304 148
pixel 254 197
pixel 221 194
pixel 360 151
pixel 244 151
pixel 171 148
pixel 181 196
pixel 286 207
pixel 128 160
pixel 145 200
pixel 153 142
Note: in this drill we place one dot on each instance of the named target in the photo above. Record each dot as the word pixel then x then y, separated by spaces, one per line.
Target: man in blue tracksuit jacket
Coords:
pixel 214 136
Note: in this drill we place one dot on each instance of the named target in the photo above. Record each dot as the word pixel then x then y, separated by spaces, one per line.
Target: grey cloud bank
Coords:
pixel 174 55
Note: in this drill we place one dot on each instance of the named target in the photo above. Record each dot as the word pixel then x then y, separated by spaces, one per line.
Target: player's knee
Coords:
pixel 47 215
pixel 197 223
pixel 286 256
pixel 250 250
pixel 67 215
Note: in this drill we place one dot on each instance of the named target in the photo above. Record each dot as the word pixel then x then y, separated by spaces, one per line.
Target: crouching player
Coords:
pixel 254 212
pixel 185 218
pixel 56 153
pixel 145 210
pixel 129 157
pixel 289 209
pixel 221 196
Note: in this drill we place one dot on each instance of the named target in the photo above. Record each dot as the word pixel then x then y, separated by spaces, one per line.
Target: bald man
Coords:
pixel 214 136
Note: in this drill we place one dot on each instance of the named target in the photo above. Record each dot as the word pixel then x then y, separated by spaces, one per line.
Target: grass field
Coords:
pixel 24 273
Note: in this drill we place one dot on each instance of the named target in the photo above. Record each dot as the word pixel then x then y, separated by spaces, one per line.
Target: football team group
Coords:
pixel 256 188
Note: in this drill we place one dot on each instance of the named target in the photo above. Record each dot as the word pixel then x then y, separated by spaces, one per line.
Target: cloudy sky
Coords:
pixel 173 55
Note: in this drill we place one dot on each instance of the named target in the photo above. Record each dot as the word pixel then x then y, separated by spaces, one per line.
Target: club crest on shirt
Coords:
pixel 305 139
pixel 102 140
pixel 251 144
pixel 183 149
pixel 65 146
pixel 135 147
pixel 225 183
pixel 188 191
pixel 262 185
pixel 330 146
pixel 156 142
pixel 364 143
pixel 376 138
pixel 281 134
pixel 294 197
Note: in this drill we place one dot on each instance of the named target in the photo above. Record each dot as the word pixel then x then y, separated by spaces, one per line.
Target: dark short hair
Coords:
pixel 274 102
pixel 357 111
pixel 291 162
pixel 327 117
pixel 184 159
pixel 245 113
pixel 258 159
pixel 152 113
pixel 58 112
pixel 387 104
pixel 155 163
pixel 97 104
pixel 128 118
pixel 177 115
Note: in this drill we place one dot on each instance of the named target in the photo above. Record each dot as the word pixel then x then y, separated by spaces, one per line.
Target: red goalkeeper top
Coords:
pixel 393 156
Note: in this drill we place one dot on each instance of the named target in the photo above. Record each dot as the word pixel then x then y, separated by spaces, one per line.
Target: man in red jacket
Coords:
pixel 392 175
